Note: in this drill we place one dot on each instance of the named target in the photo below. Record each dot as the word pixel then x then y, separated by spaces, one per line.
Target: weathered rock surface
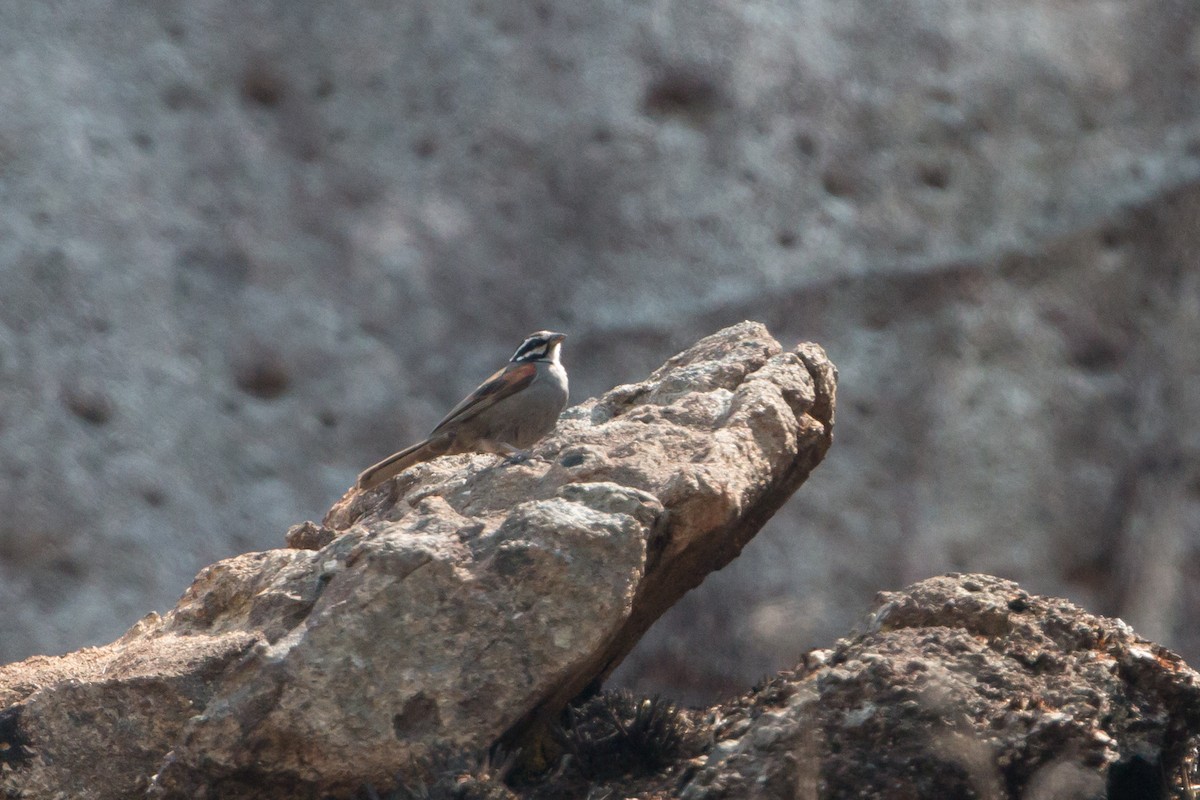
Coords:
pixel 963 686
pixel 460 603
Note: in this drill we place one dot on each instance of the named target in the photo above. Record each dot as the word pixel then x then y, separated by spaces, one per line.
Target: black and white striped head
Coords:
pixel 540 346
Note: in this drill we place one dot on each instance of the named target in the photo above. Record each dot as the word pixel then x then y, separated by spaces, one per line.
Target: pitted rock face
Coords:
pixel 964 686
pixel 463 602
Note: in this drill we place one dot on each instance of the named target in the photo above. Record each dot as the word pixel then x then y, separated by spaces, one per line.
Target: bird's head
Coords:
pixel 539 346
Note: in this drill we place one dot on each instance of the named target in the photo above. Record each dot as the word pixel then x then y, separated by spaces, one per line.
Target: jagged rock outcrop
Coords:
pixel 964 686
pixel 459 604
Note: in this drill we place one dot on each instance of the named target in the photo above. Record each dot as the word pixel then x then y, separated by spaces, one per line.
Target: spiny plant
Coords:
pixel 616 733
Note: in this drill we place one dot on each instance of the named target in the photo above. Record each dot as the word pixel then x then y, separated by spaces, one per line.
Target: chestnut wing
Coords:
pixel 504 383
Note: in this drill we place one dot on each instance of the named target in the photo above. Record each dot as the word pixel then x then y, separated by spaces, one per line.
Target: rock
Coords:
pixel 308 536
pixel 464 602
pixel 963 686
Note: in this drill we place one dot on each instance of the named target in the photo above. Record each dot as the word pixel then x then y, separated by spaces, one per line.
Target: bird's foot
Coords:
pixel 516 457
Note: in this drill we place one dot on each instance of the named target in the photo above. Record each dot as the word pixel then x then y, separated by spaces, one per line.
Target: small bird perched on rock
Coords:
pixel 509 411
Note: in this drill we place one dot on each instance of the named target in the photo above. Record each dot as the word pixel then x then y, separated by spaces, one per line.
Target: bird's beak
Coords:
pixel 557 337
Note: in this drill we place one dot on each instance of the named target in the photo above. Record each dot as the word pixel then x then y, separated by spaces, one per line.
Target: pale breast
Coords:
pixel 525 417
pixel 546 398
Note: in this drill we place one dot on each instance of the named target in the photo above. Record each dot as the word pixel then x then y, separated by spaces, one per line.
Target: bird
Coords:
pixel 507 413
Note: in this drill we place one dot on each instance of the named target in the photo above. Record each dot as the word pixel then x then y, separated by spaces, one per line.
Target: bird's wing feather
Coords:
pixel 504 383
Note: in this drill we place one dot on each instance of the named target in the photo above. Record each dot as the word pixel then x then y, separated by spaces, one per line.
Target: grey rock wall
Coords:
pixel 247 248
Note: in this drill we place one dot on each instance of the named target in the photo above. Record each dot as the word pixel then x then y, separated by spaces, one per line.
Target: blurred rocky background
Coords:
pixel 248 247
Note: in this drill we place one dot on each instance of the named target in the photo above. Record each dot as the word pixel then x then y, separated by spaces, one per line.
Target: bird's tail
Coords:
pixel 396 463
